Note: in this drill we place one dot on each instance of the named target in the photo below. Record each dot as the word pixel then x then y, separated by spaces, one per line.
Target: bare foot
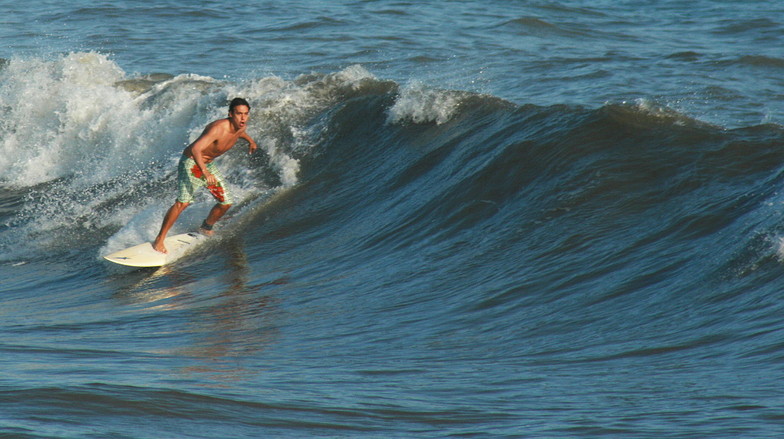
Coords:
pixel 206 232
pixel 159 247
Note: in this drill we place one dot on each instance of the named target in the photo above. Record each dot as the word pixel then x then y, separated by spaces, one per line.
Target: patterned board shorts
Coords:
pixel 190 178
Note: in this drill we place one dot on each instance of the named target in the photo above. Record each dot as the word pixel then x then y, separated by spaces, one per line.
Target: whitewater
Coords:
pixel 555 219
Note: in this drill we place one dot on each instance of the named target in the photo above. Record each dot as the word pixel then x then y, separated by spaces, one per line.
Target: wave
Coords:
pixel 759 61
pixel 631 189
pixel 436 170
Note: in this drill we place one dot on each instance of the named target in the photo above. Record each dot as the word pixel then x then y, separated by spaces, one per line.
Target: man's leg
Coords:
pixel 215 214
pixel 168 221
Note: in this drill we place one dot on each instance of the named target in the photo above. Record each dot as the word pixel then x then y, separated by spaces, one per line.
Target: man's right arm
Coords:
pixel 207 138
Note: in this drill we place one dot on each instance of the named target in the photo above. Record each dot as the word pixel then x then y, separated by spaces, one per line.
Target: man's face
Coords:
pixel 239 116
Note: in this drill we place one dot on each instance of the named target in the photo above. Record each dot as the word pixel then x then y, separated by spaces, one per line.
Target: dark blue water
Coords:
pixel 504 219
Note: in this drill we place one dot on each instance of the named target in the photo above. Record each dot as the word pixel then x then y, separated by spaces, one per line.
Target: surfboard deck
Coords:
pixel 143 255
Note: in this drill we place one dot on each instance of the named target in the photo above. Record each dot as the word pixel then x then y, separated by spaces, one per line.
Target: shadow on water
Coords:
pixel 214 315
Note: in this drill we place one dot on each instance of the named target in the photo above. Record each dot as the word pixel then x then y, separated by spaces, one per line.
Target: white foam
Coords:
pixel 779 247
pixel 420 104
pixel 54 114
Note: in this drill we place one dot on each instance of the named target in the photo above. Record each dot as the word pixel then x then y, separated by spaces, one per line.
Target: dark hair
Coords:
pixel 236 102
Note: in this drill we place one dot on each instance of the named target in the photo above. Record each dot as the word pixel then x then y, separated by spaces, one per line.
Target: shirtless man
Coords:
pixel 197 170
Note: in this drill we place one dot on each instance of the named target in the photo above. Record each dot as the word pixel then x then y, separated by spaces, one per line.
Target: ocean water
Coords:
pixel 557 219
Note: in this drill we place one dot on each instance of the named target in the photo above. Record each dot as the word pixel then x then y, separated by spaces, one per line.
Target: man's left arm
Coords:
pixel 251 143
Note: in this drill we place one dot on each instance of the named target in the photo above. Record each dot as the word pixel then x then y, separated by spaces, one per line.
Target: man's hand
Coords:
pixel 211 180
pixel 252 147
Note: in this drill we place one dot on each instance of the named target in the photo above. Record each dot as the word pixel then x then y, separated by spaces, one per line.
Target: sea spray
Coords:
pixel 56 114
pixel 420 104
pixel 92 147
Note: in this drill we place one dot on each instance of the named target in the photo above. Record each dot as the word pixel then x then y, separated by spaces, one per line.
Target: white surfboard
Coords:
pixel 143 255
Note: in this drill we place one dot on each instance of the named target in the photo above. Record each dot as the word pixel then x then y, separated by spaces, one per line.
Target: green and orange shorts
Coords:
pixel 190 178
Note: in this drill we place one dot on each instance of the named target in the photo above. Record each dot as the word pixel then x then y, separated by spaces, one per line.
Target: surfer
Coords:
pixel 196 169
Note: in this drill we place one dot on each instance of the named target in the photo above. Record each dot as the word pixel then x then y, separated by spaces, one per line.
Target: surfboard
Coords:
pixel 143 255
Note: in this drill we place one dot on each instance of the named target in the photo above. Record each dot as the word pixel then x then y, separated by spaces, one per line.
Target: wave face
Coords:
pixel 466 264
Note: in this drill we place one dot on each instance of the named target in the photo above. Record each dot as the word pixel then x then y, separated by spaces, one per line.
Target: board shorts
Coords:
pixel 190 178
